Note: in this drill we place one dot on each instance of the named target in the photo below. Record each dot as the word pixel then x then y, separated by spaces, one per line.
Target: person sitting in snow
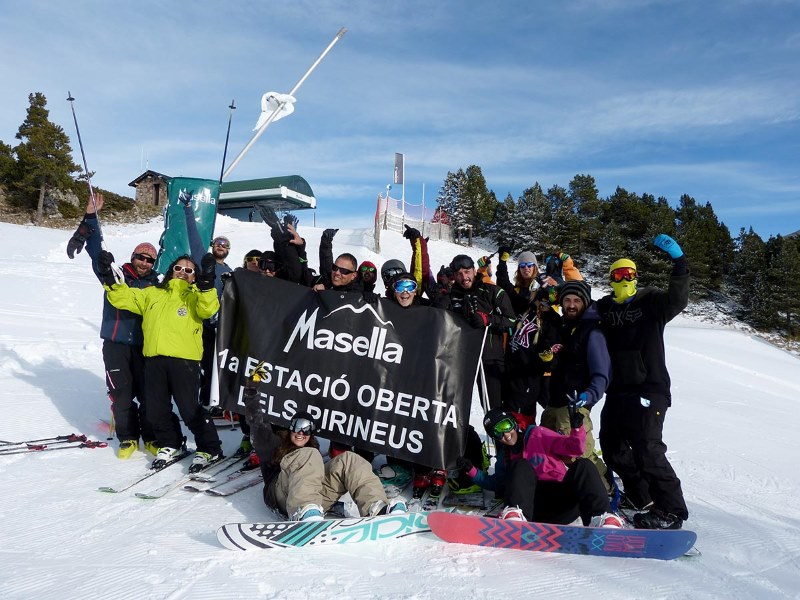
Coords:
pixel 298 484
pixel 535 482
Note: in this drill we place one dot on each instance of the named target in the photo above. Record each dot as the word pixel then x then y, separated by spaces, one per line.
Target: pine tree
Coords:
pixel 44 156
pixel 7 164
pixel 480 202
pixel 589 209
pixel 746 285
pixel 785 279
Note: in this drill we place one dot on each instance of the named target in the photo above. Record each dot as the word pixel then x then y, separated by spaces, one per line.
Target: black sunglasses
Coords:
pixel 341 270
pixel 145 258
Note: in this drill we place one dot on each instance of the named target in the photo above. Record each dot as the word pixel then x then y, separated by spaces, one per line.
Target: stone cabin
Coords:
pixel 151 188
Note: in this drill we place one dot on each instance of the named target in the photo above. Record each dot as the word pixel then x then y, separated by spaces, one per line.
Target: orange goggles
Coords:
pixel 623 273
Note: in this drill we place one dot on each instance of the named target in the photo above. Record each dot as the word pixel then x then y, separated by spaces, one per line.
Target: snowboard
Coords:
pixel 544 537
pixel 300 534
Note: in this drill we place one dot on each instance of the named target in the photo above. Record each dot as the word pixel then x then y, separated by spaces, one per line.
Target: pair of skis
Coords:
pixel 59 442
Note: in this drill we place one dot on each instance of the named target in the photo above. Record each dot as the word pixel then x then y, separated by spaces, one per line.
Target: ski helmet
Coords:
pixel 498 422
pixel 622 262
pixel 302 422
pixel 391 268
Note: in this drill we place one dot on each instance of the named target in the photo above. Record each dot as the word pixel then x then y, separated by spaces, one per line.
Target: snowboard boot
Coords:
pixel 608 519
pixel 202 460
pixel 308 512
pixel 397 506
pixel 127 448
pixel 656 519
pixel 512 513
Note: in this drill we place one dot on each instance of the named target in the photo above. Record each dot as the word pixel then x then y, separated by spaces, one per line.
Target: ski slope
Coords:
pixel 730 435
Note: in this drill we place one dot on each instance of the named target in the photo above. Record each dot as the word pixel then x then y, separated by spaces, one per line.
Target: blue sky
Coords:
pixel 665 98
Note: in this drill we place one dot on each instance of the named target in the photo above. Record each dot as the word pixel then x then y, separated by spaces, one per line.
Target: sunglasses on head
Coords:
pixel 623 273
pixel 341 270
pixel 405 285
pixel 222 243
pixel 302 426
pixel 464 263
pixel 187 270
pixel 367 269
pixel 526 265
pixel 145 258
pixel 503 427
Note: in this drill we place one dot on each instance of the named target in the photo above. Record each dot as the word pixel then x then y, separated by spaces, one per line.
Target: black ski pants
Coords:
pixel 124 366
pixel 178 379
pixel 580 493
pixel 630 437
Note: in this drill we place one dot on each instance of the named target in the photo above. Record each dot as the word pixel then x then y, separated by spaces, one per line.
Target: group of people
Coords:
pixel 548 344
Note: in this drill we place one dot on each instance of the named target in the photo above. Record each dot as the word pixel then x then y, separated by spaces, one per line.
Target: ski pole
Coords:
pixel 232 106
pixel 275 113
pixel 117 271
pixel 87 444
pixel 41 446
pixel 70 437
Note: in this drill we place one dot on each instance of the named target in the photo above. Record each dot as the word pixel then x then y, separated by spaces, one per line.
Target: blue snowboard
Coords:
pixel 543 537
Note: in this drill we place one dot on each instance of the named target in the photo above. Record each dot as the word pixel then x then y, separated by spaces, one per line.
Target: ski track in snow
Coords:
pixel 729 433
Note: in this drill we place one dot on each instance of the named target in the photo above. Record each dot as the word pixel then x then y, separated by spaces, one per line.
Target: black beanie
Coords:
pixel 580 289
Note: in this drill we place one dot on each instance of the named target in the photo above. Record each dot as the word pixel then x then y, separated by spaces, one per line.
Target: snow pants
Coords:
pixel 630 436
pixel 124 366
pixel 305 479
pixel 556 418
pixel 580 493
pixel 168 378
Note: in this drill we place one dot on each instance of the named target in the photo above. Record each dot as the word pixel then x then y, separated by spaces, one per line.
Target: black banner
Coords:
pixel 392 380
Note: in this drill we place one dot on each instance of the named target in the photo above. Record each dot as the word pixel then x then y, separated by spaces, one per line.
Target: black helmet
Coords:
pixel 391 268
pixel 302 422
pixel 498 422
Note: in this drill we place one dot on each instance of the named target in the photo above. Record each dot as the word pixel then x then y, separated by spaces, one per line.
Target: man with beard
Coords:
pixel 583 370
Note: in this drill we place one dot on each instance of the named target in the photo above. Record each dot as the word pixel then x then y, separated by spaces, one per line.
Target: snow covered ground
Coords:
pixel 731 434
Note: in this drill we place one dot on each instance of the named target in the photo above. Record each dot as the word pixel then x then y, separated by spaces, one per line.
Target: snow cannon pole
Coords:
pixel 117 271
pixel 271 118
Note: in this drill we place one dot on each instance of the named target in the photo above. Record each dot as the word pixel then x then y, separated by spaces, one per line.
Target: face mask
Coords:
pixel 623 290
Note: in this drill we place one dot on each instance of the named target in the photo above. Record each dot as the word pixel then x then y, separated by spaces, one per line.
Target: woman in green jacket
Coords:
pixel 172 321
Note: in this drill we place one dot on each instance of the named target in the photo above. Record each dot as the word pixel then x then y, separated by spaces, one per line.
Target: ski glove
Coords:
pixel 575 416
pixel 478 319
pixel 104 261
pixel 411 233
pixel 504 252
pixel 75 244
pixel 185 198
pixel 668 245
pixel 327 235
pixel 206 280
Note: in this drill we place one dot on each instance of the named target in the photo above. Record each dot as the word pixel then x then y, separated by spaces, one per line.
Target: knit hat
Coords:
pixel 526 257
pixel 580 289
pixel 147 249
pixel 484 261
pixel 367 263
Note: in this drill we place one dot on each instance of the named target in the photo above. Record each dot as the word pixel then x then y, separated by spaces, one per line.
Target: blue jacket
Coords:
pixel 119 326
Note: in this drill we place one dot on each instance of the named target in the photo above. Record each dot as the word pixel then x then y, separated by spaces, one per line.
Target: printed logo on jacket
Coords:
pixel 391 380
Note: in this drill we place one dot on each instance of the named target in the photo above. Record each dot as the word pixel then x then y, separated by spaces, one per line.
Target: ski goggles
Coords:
pixel 405 285
pixel 144 258
pixel 527 265
pixel 341 270
pixel 502 427
pixel 623 273
pixel 187 270
pixel 222 243
pixel 367 269
pixel 302 426
pixel 463 262
pixel 267 265
pixel 389 273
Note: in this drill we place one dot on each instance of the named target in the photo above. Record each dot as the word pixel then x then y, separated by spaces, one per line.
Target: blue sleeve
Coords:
pixel 93 242
pixel 599 363
pixel 496 480
pixel 196 247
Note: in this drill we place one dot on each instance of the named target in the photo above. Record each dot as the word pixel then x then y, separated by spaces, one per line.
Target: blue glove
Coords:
pixel 583 400
pixel 668 245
